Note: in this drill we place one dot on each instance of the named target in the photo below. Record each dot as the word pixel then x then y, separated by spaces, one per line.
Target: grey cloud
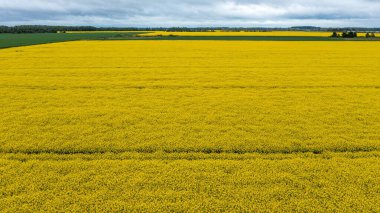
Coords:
pixel 191 12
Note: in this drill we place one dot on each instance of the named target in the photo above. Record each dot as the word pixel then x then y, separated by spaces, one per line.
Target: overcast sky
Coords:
pixel 192 13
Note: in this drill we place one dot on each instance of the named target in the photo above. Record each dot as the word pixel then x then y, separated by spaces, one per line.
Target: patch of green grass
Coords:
pixel 17 40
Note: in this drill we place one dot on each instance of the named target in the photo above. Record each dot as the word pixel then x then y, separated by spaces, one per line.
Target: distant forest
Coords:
pixel 55 29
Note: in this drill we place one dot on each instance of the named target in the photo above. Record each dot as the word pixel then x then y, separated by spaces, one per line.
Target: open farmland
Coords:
pixel 243 33
pixel 219 33
pixel 268 34
pixel 8 40
pixel 190 126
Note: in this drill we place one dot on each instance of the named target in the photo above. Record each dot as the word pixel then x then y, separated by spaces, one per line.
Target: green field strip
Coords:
pixel 27 39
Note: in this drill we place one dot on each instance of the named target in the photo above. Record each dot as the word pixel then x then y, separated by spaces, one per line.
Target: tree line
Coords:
pixel 351 34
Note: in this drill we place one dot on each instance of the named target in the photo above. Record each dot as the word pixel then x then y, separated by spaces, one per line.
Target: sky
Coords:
pixel 192 13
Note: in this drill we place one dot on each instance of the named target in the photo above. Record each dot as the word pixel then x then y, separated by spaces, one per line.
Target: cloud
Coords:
pixel 191 13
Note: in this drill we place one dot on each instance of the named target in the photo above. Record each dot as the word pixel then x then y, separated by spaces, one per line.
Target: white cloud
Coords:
pixel 191 12
pixel 250 11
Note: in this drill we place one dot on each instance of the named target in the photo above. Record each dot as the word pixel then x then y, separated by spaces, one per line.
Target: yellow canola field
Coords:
pixel 223 33
pixel 323 184
pixel 242 33
pixel 197 96
pixel 190 126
